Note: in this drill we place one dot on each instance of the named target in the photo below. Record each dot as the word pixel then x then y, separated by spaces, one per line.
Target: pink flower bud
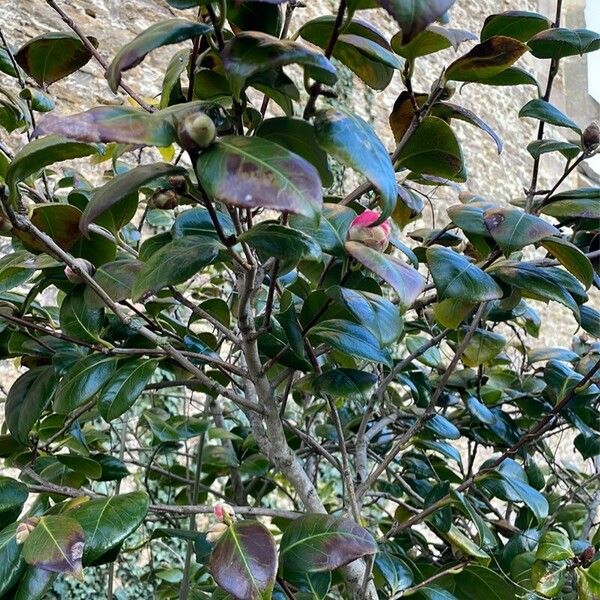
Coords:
pixel 224 512
pixel 361 230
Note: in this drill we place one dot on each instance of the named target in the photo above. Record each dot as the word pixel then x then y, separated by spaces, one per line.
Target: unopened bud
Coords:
pixel 24 529
pixel 81 264
pixel 215 532
pixel 196 131
pixel 587 556
pixel 179 184
pixel 165 199
pixel 591 136
pixel 224 513
pixel 362 230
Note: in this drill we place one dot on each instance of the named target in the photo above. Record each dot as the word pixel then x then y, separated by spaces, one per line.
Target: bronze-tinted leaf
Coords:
pixel 244 561
pixel 254 172
pixel 122 124
pixel 54 55
pixel 486 59
pixel 56 545
pixel 167 32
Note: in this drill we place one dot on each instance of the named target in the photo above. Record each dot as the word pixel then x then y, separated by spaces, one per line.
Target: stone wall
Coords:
pixel 503 177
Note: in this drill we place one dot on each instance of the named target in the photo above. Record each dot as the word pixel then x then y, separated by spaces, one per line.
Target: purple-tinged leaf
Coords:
pixel 168 32
pixel 56 545
pixel 244 561
pixel 314 543
pixel 414 16
pixel 121 124
pixel 406 281
pixel 121 186
pixel 254 172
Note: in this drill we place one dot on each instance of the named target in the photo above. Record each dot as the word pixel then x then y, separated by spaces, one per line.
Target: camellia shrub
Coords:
pixel 203 326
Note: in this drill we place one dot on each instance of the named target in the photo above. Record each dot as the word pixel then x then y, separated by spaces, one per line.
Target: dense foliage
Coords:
pixel 211 330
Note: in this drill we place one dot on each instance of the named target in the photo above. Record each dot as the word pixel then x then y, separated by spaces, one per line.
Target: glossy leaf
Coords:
pixel 175 263
pixel 539 147
pixel 53 56
pixel 84 379
pixel 544 111
pixel 244 561
pixel 477 581
pixel 406 281
pixel 34 584
pixel 316 543
pixel 197 221
pixel 415 15
pixel 299 137
pixel 116 279
pixel 350 338
pixel 554 545
pixel 518 24
pixel 107 522
pixel 513 229
pixel 486 59
pixel 122 186
pixel 345 383
pixel 352 141
pixel 26 400
pixel 588 582
pixel 251 52
pixel 456 277
pixel 124 388
pixel 39 154
pixel 433 39
pixel 13 495
pixel 12 564
pixel 434 150
pixel 272 239
pixel 482 348
pixel 79 320
pixel 122 124
pixel 167 32
pixel 253 172
pixel 560 42
pixel 571 257
pixel 56 545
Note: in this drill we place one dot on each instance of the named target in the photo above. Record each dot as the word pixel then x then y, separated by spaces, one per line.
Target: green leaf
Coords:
pixel 124 388
pixel 544 111
pixel 345 383
pixel 84 379
pixel 116 279
pixel 34 584
pixel 415 15
pixel 486 59
pixel 298 137
pixel 167 32
pixel 36 155
pixel 6 64
pixel 350 338
pixel 477 582
pixel 164 431
pixel 433 39
pixel 55 545
pixel 360 47
pixel 482 348
pixel 589 318
pixel 197 221
pixel 517 488
pixel 548 578
pixel 122 186
pixel 39 100
pixel 455 277
pixel 26 400
pixel 380 316
pixel 467 546
pixel 352 141
pixel 314 543
pixel 53 56
pixel 539 147
pixel 332 229
pixel 451 312
pixel 518 24
pixel 13 495
pixel 406 281
pixel 107 522
pixel 253 172
pixel 79 320
pixel 560 42
pixel 244 561
pixel 554 545
pixel 171 92
pixel 433 149
pixel 572 258
pixel 175 263
pixel 272 239
pixel 583 203
pixel 82 464
pixel 588 582
pixel 12 564
pixel 252 52
pixel 510 76
pixel 121 124
pixel 513 229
